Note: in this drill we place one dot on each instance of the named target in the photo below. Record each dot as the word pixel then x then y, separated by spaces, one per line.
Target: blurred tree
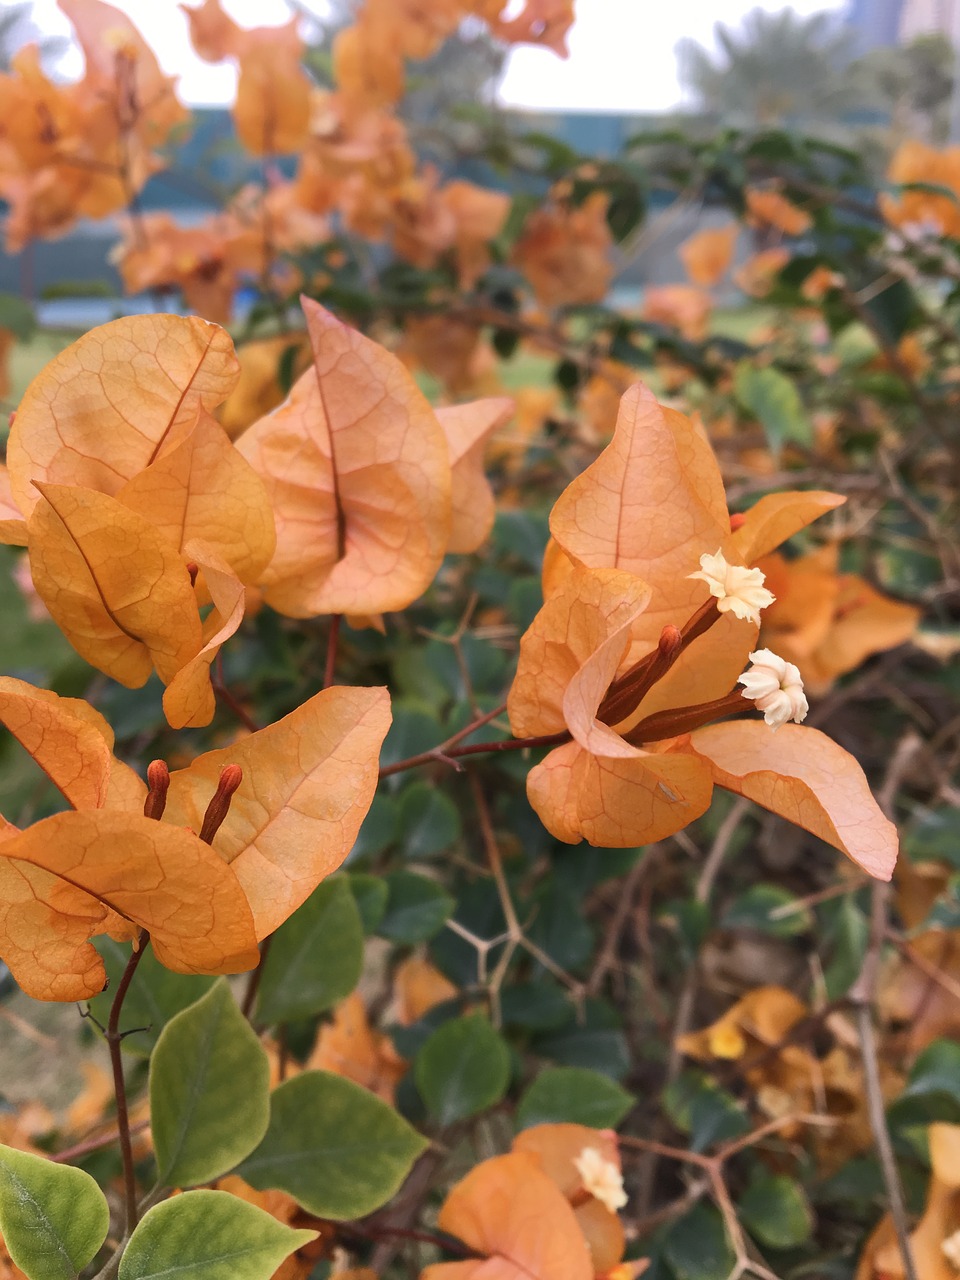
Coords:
pixel 17 28
pixel 914 84
pixel 777 68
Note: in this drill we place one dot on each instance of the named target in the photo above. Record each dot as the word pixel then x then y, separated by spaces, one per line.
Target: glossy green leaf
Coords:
pixel 370 894
pixel 336 1148
pixel 775 1210
pixel 573 1095
pixel 209 1235
pixel 429 822
pixel 697 1247
pixel 315 957
pixel 53 1218
pixel 209 1091
pixel 417 908
pixel 774 401
pixel 759 908
pixel 462 1069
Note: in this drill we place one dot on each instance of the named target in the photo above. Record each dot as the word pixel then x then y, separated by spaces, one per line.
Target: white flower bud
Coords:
pixel 601 1178
pixel 776 687
pixel 738 590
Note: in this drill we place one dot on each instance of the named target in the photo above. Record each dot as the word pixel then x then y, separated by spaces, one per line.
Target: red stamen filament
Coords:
pixel 230 778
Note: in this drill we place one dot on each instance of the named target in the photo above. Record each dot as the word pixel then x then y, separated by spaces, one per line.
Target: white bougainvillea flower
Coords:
pixel 776 687
pixel 601 1178
pixel 738 590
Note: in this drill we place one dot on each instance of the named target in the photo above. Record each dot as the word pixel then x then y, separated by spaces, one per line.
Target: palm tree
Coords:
pixel 17 29
pixel 777 68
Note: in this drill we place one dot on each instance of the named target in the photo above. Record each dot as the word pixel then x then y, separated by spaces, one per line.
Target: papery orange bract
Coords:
pixel 259 390
pixel 114 401
pixel 468 428
pixel 882 1259
pixel 924 211
pixel 758 274
pixel 272 107
pixel 308 781
pixel 564 251
pixel 767 207
pixel 764 1015
pixel 652 504
pixel 358 474
pixel 95 862
pixel 417 987
pixel 348 1046
pixel 118 590
pixel 511 1212
pixel 557 1146
pixel 542 22
pixel 204 489
pixel 808 779
pixel 707 254
pixel 684 307
pixel 829 623
pixel 189 698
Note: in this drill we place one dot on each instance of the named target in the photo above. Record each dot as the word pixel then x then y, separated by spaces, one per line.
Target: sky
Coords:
pixel 621 51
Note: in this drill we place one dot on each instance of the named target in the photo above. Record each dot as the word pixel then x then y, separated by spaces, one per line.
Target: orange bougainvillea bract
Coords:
pixel 633 658
pixel 307 783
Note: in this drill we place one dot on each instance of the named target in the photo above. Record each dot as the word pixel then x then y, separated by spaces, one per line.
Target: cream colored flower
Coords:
pixel 601 1178
pixel 950 1249
pixel 738 590
pixel 776 687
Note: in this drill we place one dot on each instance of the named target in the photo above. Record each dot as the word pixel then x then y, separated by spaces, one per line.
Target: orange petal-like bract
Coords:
pixel 803 775
pixel 358 474
pixel 467 428
pixel 118 590
pixel 707 254
pixel 649 507
pixel 72 751
pixel 203 488
pixel 115 400
pixel 188 699
pixel 308 781
pixel 156 875
pixel 778 516
pixel 511 1212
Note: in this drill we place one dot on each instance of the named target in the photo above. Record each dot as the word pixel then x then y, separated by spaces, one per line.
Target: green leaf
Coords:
pixel 154 996
pixel 417 908
pixel 701 1108
pixel 774 401
pixel 336 1148
pixel 573 1095
pixel 370 894
pixel 209 1235
pixel 315 957
pixel 758 908
pixel 774 1208
pixel 209 1091
pixel 53 1217
pixel 462 1069
pixel 697 1247
pixel 932 1092
pixel 596 1041
pixel 429 821
pixel 17 316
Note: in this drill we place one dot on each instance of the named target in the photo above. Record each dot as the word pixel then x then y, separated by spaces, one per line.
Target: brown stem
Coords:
pixel 114 1039
pixel 668 724
pixel 332 639
pixel 69 1154
pixel 443 753
pixel 253 982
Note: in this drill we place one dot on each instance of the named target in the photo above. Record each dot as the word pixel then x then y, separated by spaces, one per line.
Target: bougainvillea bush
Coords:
pixel 479 763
